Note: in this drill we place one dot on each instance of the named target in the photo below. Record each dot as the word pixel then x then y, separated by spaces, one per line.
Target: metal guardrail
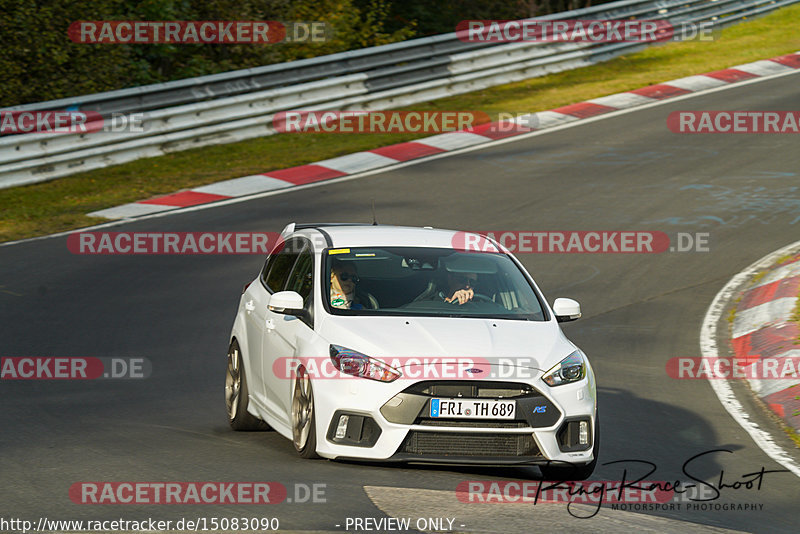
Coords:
pixel 240 105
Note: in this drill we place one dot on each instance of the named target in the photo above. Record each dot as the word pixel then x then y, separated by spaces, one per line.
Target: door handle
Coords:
pixel 249 306
pixel 270 324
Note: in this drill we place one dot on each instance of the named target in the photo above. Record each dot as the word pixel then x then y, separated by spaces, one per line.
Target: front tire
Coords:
pixel 304 434
pixel 236 396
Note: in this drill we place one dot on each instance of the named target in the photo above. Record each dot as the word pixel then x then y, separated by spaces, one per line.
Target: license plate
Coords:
pixel 473 409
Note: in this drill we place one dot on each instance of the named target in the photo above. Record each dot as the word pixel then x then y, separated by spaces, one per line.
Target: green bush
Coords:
pixel 38 62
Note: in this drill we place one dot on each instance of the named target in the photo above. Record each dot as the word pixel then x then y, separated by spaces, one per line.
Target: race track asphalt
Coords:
pixel 626 172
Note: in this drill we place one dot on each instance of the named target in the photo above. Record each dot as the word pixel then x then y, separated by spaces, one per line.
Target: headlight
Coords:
pixel 570 369
pixel 356 364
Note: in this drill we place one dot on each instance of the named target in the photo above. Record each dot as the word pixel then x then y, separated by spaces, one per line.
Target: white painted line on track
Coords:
pixel 708 348
pixel 239 187
pixel 453 140
pixel 356 162
pixel 763 67
pixel 547 119
pixel 696 83
pixel 622 100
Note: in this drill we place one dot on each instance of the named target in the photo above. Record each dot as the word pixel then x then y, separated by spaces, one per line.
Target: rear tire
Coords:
pixel 236 396
pixel 561 472
pixel 304 434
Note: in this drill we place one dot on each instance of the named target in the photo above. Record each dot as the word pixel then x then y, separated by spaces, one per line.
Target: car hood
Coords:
pixel 531 344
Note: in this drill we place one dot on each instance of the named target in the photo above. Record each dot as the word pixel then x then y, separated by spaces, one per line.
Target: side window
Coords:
pixel 302 275
pixel 265 269
pixel 302 281
pixel 278 268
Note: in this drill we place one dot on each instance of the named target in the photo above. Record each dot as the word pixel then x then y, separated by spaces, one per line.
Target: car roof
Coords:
pixel 368 235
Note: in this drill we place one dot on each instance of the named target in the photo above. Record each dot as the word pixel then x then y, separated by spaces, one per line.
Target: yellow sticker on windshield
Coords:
pixel 339 251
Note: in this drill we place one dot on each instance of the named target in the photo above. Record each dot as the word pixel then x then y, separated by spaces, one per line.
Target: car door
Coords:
pixel 273 279
pixel 287 335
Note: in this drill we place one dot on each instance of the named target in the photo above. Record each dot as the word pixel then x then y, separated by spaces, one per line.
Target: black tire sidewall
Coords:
pixel 243 420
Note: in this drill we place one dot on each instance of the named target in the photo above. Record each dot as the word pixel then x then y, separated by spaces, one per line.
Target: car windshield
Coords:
pixel 432 282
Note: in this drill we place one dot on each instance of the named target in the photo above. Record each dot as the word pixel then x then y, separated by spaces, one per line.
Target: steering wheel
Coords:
pixel 478 296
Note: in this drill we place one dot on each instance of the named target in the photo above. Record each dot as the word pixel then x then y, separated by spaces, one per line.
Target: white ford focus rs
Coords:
pixel 404 344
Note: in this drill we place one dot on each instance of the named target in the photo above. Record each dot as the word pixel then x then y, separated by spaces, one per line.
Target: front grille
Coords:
pixel 469 444
pixel 412 405
pixel 474 423
pixel 472 389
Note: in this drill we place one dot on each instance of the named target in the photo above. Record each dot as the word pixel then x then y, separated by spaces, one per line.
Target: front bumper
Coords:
pixel 388 430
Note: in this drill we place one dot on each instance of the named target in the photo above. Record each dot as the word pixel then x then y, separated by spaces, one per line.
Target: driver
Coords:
pixel 456 288
pixel 461 287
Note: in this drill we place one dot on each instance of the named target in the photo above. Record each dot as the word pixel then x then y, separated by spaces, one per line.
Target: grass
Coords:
pixel 62 204
pixel 786 258
pixel 793 434
pixel 796 311
pixel 758 276
pixel 732 312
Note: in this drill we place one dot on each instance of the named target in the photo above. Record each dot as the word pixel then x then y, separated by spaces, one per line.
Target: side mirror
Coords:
pixel 287 303
pixel 566 310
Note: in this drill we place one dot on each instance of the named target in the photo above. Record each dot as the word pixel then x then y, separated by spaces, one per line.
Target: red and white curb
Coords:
pixel 762 328
pixel 394 154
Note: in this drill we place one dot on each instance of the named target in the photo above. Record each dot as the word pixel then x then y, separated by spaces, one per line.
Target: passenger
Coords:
pixel 343 286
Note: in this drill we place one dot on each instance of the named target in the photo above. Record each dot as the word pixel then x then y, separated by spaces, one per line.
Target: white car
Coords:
pixel 402 344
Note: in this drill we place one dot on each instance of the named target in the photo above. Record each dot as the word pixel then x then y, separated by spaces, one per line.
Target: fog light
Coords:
pixel 341 428
pixel 583 433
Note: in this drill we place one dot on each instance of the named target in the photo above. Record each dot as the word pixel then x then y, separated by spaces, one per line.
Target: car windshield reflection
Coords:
pixel 432 282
